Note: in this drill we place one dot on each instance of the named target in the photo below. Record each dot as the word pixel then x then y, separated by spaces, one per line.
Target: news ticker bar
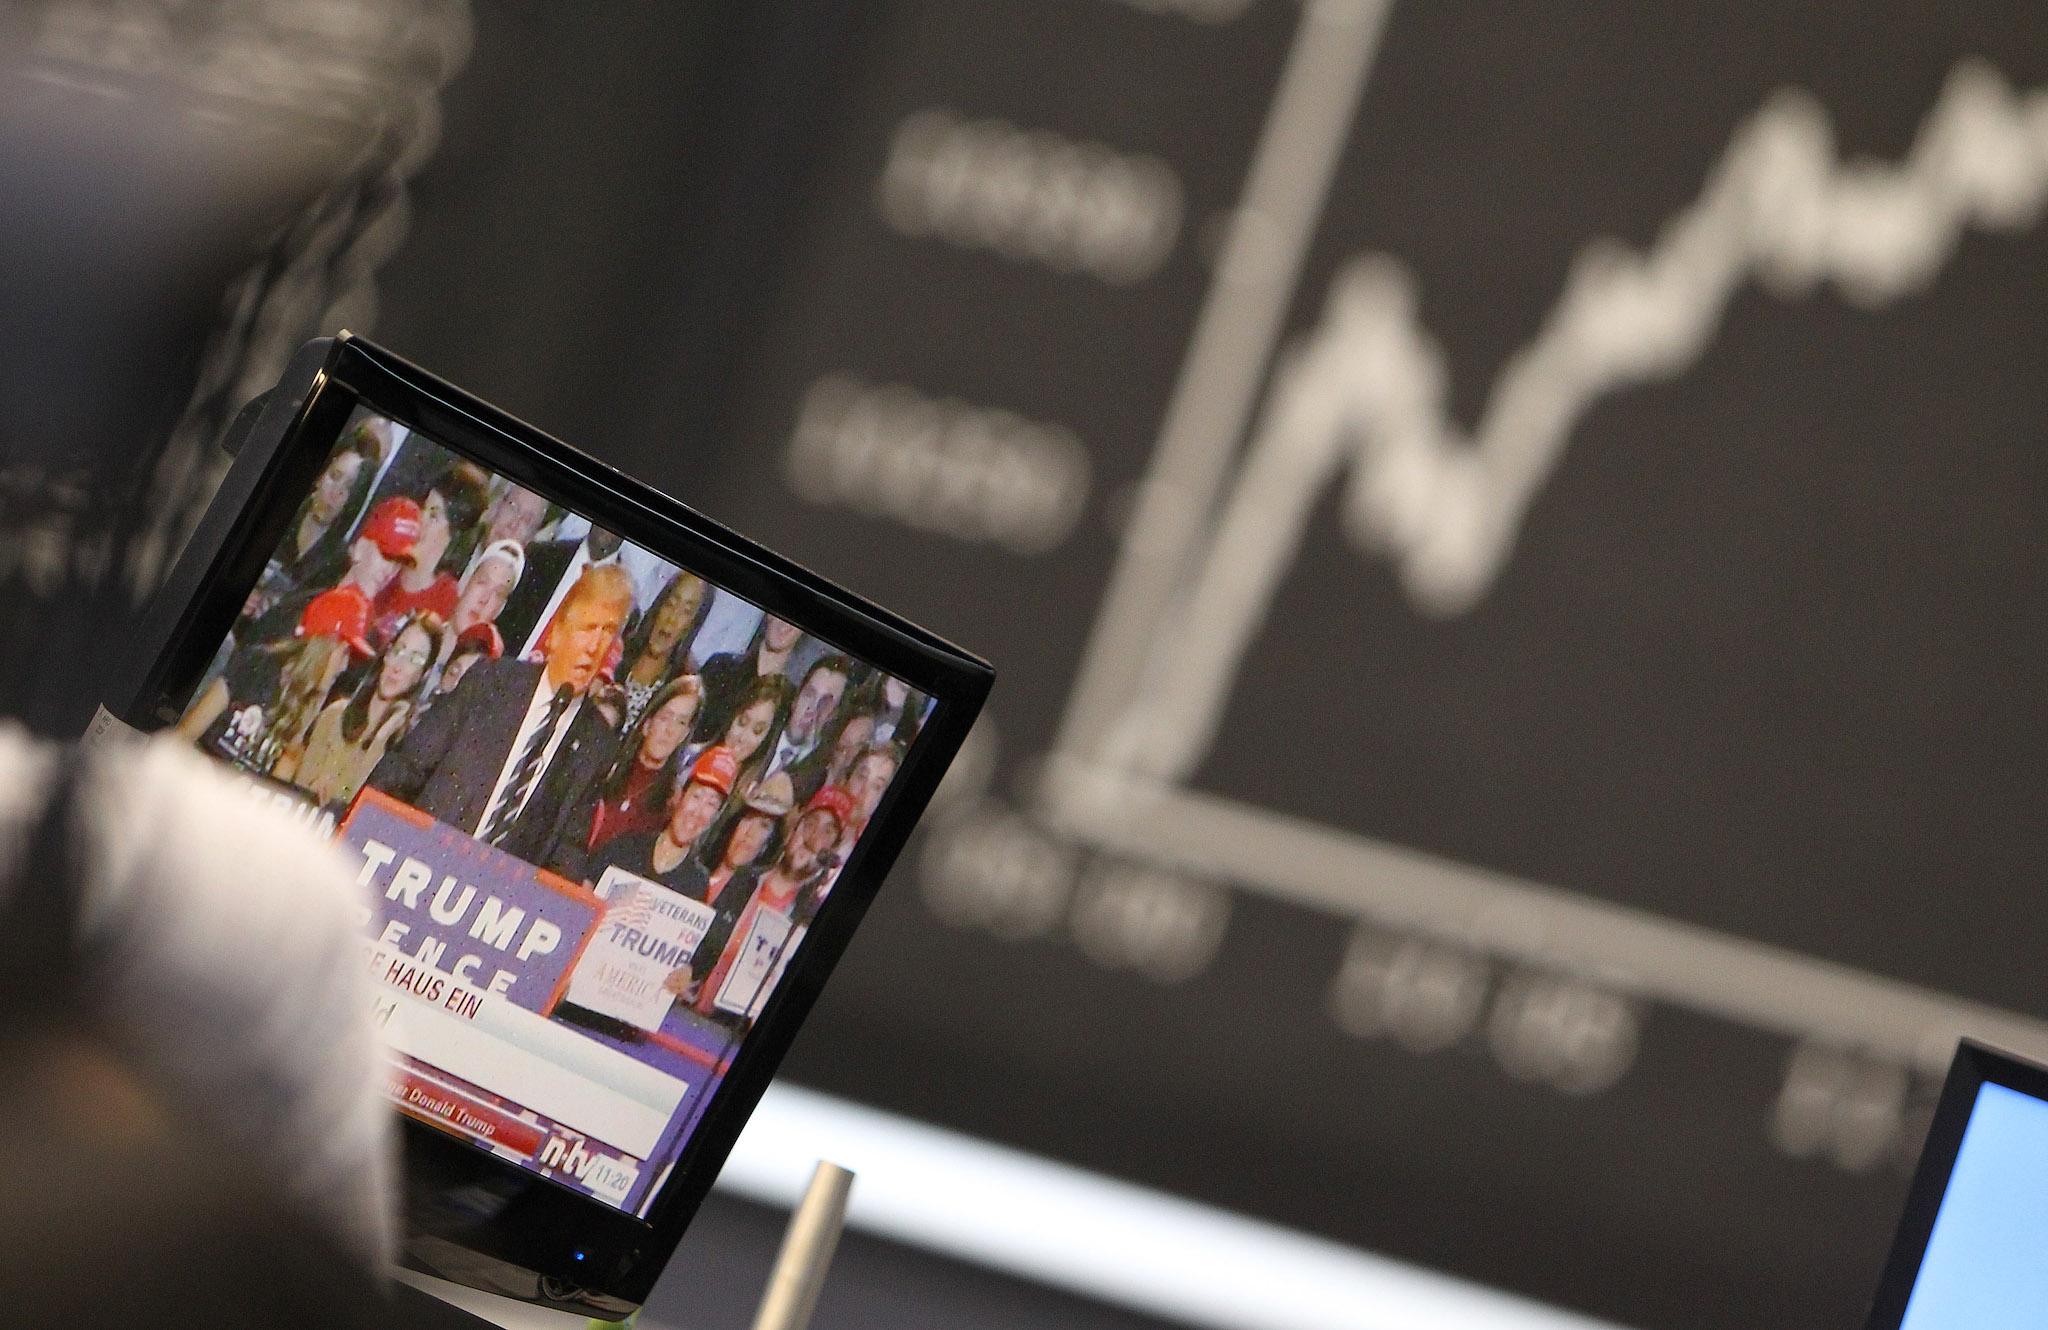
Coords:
pixel 480 1037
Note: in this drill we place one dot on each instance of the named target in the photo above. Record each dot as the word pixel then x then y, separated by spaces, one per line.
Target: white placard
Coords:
pixel 756 962
pixel 796 939
pixel 647 933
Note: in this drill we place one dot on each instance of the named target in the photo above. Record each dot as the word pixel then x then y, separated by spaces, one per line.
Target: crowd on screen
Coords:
pixel 457 642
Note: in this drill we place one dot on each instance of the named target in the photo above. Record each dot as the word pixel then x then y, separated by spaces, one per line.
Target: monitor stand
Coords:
pixel 786 1304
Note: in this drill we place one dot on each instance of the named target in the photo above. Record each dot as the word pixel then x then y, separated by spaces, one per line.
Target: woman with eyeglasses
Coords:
pixel 351 735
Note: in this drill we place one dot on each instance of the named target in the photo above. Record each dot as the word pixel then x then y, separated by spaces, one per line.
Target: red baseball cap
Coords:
pixel 344 613
pixel 485 635
pixel 395 525
pixel 834 799
pixel 717 768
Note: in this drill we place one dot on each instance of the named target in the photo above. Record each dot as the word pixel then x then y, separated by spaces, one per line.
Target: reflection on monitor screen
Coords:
pixel 596 799
pixel 1986 1264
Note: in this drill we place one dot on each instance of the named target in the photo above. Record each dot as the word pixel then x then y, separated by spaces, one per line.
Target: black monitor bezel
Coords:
pixel 536 1254
pixel 1975 1066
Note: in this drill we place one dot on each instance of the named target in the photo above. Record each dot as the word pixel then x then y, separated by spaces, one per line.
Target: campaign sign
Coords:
pixel 648 933
pixel 469 909
pixel 759 957
pixel 782 955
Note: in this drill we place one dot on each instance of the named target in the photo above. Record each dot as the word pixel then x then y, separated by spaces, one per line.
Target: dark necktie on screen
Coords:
pixel 527 770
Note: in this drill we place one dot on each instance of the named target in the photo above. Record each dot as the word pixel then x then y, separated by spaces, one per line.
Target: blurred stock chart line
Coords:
pixel 1364 392
pixel 1259 429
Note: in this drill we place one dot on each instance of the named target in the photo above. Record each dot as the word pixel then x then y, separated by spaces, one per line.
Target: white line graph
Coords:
pixel 1234 334
pixel 1365 389
pixel 1360 400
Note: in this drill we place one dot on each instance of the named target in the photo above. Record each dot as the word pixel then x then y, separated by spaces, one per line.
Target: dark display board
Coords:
pixel 1511 538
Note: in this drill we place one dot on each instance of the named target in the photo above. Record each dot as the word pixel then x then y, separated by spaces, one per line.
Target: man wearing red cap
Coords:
pixel 669 855
pixel 251 673
pixel 514 756
pixel 815 841
pixel 393 526
pixel 375 557
pixel 803 872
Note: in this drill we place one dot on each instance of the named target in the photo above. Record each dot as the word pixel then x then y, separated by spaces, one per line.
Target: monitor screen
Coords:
pixel 595 799
pixel 1986 1262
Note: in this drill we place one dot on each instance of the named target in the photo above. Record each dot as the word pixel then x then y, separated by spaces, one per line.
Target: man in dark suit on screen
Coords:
pixel 514 756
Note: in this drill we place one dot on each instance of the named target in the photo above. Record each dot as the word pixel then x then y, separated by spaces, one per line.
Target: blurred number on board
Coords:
pixel 1030 195
pixel 989 868
pixel 1426 995
pixel 1198 11
pixel 1562 1031
pixel 1851 1109
pixel 937 464
pixel 1159 924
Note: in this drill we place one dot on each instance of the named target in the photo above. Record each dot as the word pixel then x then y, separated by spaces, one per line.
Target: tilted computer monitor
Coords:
pixel 448 640
pixel 1972 1249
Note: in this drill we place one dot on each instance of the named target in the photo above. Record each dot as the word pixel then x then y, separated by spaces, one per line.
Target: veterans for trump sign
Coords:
pixel 649 932
pixel 460 906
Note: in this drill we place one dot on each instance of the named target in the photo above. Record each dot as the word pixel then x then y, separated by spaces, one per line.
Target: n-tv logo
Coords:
pixel 565 1153
pixel 607 1176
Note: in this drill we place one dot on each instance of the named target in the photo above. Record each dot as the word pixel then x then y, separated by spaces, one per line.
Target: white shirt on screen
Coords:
pixel 788 753
pixel 536 712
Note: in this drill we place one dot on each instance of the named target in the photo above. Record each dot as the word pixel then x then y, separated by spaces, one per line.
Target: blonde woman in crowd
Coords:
pixel 351 735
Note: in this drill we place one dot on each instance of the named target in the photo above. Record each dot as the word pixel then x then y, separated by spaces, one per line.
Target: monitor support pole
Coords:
pixel 807 1248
